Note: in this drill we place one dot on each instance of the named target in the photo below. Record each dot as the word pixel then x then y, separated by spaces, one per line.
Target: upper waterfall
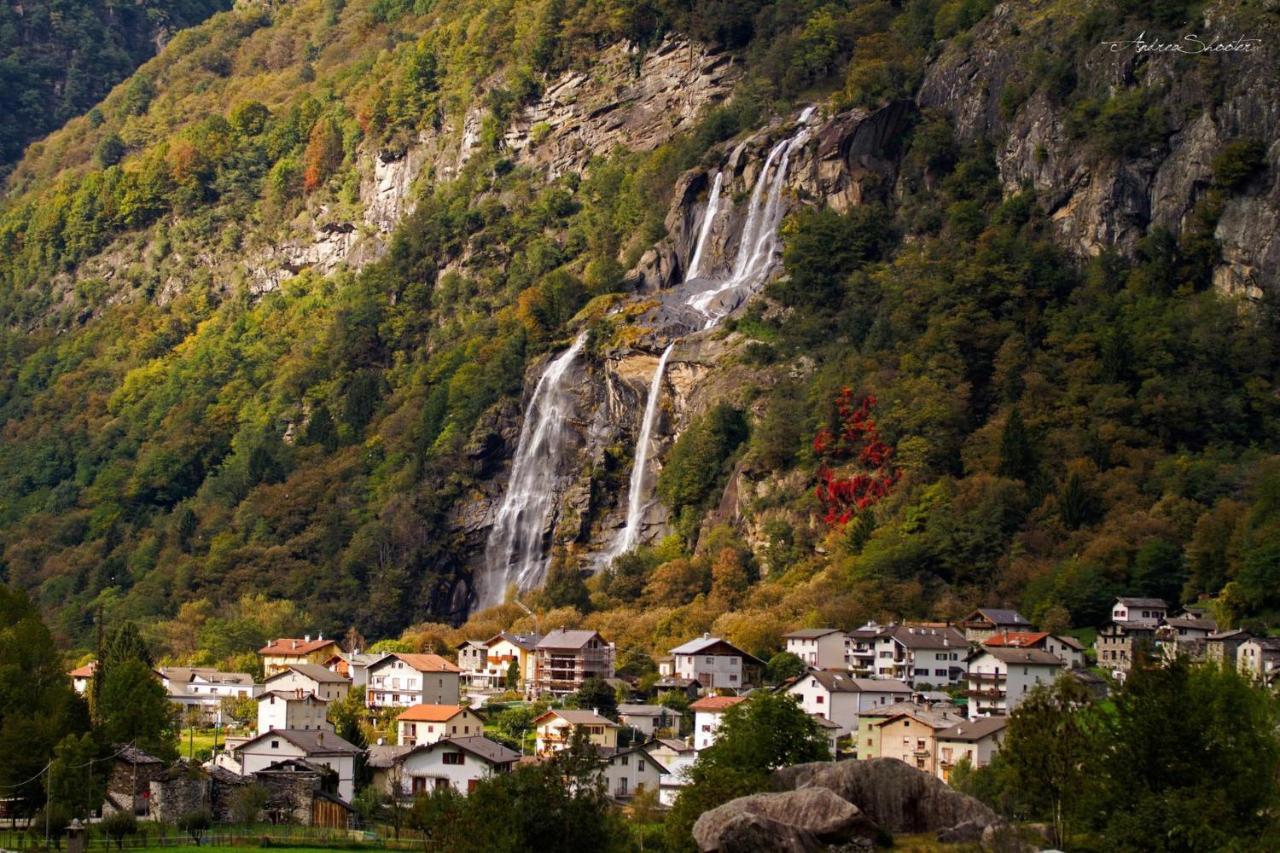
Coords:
pixel 515 550
pixel 757 248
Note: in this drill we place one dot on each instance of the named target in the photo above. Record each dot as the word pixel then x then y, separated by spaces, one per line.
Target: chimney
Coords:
pixel 293 644
pixel 320 636
pixel 308 638
pixel 320 737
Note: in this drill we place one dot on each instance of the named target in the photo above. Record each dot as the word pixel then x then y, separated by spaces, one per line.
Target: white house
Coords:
pixel 456 762
pixel 977 740
pixel 921 654
pixel 676 756
pixel 648 719
pixel 1069 650
pixel 841 698
pixel 715 663
pixel 318 747
pixel 1000 677
pixel 629 771
pixel 202 689
pixel 430 723
pixel 823 648
pixel 312 678
pixel 554 730
pixel 292 709
pixel 707 714
pixel 401 680
pixel 1128 609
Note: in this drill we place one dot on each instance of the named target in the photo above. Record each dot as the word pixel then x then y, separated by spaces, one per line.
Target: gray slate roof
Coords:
pixel 310 742
pixel 478 745
pixel 1156 603
pixel 975 729
pixel 315 672
pixel 810 633
pixel 1034 657
pixel 561 638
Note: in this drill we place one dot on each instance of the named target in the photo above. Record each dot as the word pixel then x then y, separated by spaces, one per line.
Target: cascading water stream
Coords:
pixel 515 548
pixel 638 490
pixel 756 249
pixel 708 219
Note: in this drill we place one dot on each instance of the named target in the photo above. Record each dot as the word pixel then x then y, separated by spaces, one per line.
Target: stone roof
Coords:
pixel 577 717
pixel 384 756
pixel 1154 603
pixel 838 682
pixel 310 742
pixel 1032 657
pixel 810 633
pixel 187 674
pixel 975 729
pixel 628 710
pixel 477 745
pixel 562 638
pixel 314 671
pixel 1000 616
pixel 917 637
pixel 421 662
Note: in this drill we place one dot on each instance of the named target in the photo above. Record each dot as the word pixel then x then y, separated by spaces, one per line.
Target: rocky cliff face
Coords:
pixel 848 159
pixel 1101 201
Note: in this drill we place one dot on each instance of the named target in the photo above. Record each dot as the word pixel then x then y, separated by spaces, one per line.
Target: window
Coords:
pixel 275 744
pixel 733 676
pixel 640 765
pixel 452 758
pixel 818 699
pixel 625 759
pixel 940 673
pixel 419 785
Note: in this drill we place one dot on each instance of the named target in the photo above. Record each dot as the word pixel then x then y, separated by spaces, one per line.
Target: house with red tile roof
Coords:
pixel 430 723
pixel 278 655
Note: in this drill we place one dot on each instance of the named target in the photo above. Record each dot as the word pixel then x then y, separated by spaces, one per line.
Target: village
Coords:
pixel 936 696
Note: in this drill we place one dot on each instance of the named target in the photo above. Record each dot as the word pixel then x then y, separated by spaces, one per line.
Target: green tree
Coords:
pixel 595 694
pixel 1018 459
pixel 135 709
pixel 38 708
pixel 756 736
pixel 1201 777
pixel 782 666
pixel 1048 753
pixel 118 826
pixel 77 781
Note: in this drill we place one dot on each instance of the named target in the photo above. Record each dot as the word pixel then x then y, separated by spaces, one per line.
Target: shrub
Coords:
pixel 1238 162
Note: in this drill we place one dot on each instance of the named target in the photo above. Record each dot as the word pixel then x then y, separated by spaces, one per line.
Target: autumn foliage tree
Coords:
pixel 853 442
pixel 323 155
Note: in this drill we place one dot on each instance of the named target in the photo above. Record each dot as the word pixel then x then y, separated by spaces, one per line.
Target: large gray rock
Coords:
pixel 895 796
pixel 814 812
pixel 754 833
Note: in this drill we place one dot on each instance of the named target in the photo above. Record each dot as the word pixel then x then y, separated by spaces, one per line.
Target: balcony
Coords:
pixel 987 676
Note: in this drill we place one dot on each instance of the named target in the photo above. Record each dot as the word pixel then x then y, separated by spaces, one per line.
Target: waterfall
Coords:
pixel 759 240
pixel 514 549
pixel 757 246
pixel 637 500
pixel 708 219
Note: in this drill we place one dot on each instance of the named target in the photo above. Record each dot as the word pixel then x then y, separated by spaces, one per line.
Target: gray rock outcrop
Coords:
pixel 897 797
pixel 806 819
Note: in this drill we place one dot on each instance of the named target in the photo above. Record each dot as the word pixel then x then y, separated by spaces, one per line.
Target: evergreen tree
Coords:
pixel 1018 459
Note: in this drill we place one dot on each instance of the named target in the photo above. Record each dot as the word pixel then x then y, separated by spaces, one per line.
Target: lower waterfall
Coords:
pixel 514 552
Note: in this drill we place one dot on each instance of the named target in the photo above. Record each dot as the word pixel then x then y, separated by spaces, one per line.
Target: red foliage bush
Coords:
pixel 855 441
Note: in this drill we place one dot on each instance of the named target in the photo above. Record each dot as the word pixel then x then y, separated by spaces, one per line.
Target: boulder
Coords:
pixel 896 797
pixel 815 812
pixel 754 833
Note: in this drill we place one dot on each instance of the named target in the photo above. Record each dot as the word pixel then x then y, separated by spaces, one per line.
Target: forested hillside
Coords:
pixel 269 318
pixel 60 57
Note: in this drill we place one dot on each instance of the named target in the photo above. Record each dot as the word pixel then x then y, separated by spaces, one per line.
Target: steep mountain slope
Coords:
pixel 286 344
pixel 60 57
